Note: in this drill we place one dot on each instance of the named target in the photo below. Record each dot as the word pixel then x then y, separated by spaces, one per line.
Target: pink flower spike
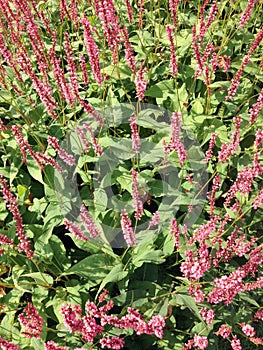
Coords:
pixel 140 82
pixel 6 345
pixel 31 322
pixel 136 142
pixel 112 343
pixel 67 158
pixel 127 229
pixel 51 345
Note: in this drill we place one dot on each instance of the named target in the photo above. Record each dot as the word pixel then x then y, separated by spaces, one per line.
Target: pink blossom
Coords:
pixel 92 50
pixel 258 315
pixel 209 152
pixel 75 230
pixel 224 331
pixel 208 315
pixel 129 10
pixel 83 140
pixel 200 342
pixel 248 330
pixel 51 345
pixel 154 220
pixel 72 317
pixel 137 205
pixel 127 229
pixel 129 54
pixel 84 71
pixel 173 5
pixel 6 345
pixel 112 343
pixel 247 13
pixel 235 343
pixel 256 107
pixel 71 67
pixel 90 328
pixel 259 138
pixel 155 326
pixel 195 291
pixel 12 205
pixel 228 150
pixel 175 232
pixel 67 158
pixel 173 61
pixel 140 82
pixel 141 12
pixel 136 142
pixel 175 139
pixel 88 222
pixel 31 322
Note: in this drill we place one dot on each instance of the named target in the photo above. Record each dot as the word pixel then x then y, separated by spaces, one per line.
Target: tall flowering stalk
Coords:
pixel 173 5
pixel 246 14
pixel 92 50
pixel 255 109
pixel 176 143
pixel 128 232
pixel 67 158
pixel 136 141
pixel 228 150
pixel 31 322
pixel 88 222
pixel 140 82
pixel 138 205
pixel 173 61
pixel 12 205
pixel 246 59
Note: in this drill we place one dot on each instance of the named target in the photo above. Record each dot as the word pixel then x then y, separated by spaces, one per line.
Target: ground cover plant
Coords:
pixel 131 174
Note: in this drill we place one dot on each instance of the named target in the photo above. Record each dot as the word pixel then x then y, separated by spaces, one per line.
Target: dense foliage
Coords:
pixel 131 155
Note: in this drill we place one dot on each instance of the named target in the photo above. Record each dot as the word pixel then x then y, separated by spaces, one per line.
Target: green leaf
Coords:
pixel 95 267
pixel 117 274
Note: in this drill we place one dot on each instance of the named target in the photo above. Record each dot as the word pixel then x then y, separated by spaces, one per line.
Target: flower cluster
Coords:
pixel 93 323
pixel 31 322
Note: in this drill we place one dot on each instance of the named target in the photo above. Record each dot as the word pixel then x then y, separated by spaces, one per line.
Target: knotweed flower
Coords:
pixel 154 220
pixel 175 142
pixel 224 331
pixel 248 330
pixel 138 205
pixel 83 140
pixel 72 317
pixel 141 12
pixel 258 315
pixel 6 345
pixel 209 152
pixel 92 50
pixel 255 109
pixel 136 142
pixel 129 54
pixel 258 201
pixel 90 328
pixel 84 70
pixel 173 5
pixel 31 322
pixel 12 205
pixel 140 82
pixel 247 13
pixel 246 59
pixel 129 10
pixel 75 230
pixel 229 150
pixel 173 61
pixel 67 158
pixel 88 222
pixel 51 345
pixel 112 342
pixel 127 229
pixel 72 69
pixel 235 343
pixel 208 315
pixel 175 232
